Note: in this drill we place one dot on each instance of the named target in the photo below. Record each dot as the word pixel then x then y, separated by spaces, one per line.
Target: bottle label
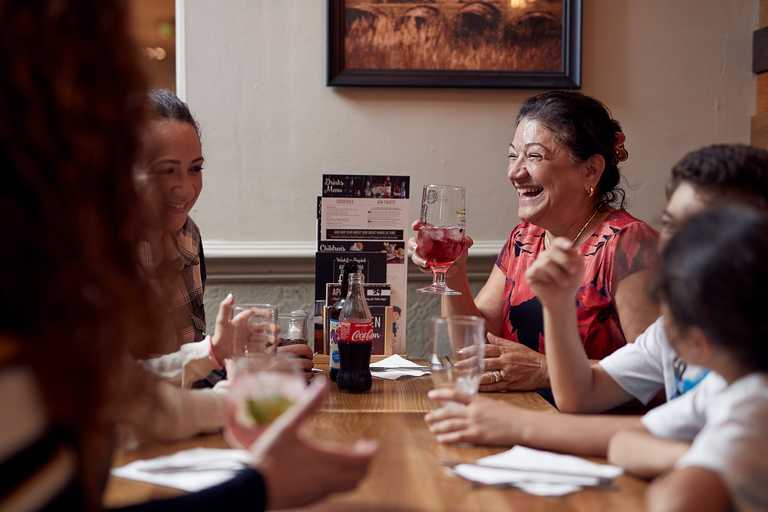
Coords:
pixel 333 345
pixel 355 332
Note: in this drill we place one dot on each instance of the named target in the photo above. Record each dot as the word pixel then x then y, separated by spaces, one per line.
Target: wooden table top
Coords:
pixel 410 396
pixel 406 475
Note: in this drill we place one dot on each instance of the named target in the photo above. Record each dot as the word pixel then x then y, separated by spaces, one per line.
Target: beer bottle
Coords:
pixel 355 339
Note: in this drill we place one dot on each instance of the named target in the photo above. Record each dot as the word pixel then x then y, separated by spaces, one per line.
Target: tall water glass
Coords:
pixel 458 346
pixel 440 239
pixel 255 329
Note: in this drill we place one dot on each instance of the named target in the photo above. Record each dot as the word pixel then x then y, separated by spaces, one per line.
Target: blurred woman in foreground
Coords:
pixel 75 306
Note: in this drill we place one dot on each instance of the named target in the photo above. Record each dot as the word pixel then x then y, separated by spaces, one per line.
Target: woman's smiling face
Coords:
pixel 171 176
pixel 551 185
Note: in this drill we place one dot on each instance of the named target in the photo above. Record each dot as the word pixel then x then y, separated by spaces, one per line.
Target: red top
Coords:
pixel 618 247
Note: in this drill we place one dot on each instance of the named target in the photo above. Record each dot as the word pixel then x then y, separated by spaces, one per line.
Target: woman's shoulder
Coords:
pixel 618 221
pixel 188 242
pixel 526 237
pixel 525 230
pixel 191 229
pixel 524 240
pixel 630 243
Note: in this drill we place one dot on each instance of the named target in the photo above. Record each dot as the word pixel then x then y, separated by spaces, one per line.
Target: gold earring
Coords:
pixel 591 191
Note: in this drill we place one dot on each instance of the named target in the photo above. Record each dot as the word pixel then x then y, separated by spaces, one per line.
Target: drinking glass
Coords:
pixel 263 386
pixel 458 345
pixel 255 329
pixel 293 328
pixel 441 237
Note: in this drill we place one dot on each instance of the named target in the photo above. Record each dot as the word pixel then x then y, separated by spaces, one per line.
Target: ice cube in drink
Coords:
pixel 440 246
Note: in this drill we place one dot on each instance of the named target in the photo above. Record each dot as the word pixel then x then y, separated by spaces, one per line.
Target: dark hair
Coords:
pixel 164 104
pixel 586 128
pixel 713 275
pixel 725 169
pixel 72 298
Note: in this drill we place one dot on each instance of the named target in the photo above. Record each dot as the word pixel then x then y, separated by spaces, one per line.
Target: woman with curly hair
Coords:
pixel 76 309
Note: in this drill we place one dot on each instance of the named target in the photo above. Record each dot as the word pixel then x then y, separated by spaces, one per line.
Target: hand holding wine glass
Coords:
pixel 413 251
pixel 440 237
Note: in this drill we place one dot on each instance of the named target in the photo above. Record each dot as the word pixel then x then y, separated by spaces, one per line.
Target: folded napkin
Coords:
pixel 188 470
pixel 396 361
pixel 396 374
pixel 394 367
pixel 538 472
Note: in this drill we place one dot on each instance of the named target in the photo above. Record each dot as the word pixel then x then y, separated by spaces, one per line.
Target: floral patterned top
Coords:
pixel 621 245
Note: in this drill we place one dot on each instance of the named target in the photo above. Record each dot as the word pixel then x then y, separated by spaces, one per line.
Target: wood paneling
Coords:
pixel 762 93
pixel 764 13
pixel 759 136
pixel 759 131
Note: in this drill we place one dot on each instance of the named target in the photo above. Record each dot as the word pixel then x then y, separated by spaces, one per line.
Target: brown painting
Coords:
pixel 491 43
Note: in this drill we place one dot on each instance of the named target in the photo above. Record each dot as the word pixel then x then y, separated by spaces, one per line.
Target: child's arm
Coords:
pixel 692 488
pixel 577 385
pixel 491 422
pixel 644 455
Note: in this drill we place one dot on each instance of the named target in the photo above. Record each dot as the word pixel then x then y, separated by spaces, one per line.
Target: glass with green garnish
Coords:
pixel 263 386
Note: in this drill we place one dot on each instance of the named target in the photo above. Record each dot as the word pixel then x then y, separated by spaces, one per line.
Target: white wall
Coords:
pixel 676 74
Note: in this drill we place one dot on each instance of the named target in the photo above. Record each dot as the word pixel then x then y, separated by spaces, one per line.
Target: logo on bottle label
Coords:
pixel 354 332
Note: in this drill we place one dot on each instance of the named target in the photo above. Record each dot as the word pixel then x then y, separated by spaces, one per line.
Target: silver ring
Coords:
pixel 497 376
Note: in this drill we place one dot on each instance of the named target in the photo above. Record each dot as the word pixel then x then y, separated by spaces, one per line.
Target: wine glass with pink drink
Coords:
pixel 440 239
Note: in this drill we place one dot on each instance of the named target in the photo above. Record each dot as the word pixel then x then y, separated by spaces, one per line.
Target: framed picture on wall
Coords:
pixel 455 43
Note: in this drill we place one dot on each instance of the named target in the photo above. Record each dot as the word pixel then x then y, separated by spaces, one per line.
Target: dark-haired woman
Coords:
pixel 563 165
pixel 170 177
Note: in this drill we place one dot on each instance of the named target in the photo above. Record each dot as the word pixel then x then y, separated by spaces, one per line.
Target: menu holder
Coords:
pixel 383 320
pixel 329 265
pixel 368 214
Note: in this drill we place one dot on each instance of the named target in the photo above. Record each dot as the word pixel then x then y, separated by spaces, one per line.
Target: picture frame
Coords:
pixel 523 44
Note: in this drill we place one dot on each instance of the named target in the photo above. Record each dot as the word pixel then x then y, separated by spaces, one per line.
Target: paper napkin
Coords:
pixel 538 472
pixel 394 367
pixel 188 470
